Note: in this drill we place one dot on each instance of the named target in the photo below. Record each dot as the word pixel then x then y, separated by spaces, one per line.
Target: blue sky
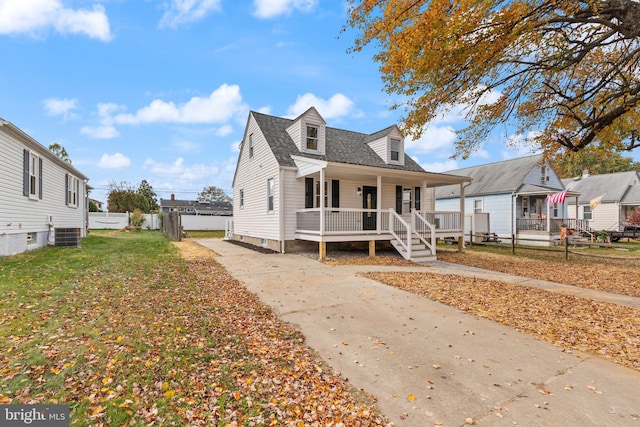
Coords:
pixel 160 90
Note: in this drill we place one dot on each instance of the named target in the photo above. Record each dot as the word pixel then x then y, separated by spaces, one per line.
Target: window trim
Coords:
pixel 586 209
pixel 270 195
pixel 72 188
pixel 32 175
pixel 392 151
pixel 314 139
pixel 241 198
pixel 475 205
pixel 251 146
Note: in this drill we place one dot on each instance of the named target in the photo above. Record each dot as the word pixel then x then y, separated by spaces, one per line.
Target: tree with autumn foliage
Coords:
pixel 566 73
pixel 569 164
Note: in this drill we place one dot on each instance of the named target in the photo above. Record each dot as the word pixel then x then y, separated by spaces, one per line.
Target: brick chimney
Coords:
pixel 173 196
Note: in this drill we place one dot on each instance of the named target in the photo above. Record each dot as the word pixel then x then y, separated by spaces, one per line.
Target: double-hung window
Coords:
pixel 312 137
pixel 72 186
pixel 270 191
pixel 587 214
pixel 32 175
pixel 250 145
pixel 241 199
pixel 395 150
pixel 477 205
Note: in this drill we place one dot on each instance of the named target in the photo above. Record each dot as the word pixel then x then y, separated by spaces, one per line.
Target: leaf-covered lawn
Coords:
pixel 620 276
pixel 604 329
pixel 127 332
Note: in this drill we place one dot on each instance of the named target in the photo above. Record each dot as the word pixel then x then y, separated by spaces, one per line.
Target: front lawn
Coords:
pixel 128 332
pixel 600 269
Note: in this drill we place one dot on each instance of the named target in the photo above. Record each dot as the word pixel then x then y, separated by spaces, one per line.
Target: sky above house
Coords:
pixel 161 90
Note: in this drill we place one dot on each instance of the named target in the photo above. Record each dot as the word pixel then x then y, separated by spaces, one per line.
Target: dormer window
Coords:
pixel 395 150
pixel 312 137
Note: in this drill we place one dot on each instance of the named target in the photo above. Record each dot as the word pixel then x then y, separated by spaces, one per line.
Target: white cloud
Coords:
pixel 444 166
pixel 60 107
pixel 105 129
pixel 265 9
pixel 224 130
pixel 174 168
pixel 186 11
pixel 435 138
pixel 115 161
pixel 100 132
pixel 336 106
pixel 219 107
pixel 36 16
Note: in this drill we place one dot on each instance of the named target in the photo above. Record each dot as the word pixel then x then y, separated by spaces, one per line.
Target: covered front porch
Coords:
pixel 544 214
pixel 375 204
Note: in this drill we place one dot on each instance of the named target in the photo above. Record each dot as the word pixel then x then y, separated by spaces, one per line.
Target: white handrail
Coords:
pixel 415 215
pixel 405 244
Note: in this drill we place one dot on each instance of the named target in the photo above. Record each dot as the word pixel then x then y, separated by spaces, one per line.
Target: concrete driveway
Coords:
pixel 428 363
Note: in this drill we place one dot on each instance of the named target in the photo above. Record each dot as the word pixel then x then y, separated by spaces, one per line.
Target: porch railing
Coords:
pixel 539 224
pixel 345 221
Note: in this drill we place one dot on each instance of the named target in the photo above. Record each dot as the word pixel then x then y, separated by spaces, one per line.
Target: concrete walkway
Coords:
pixel 429 363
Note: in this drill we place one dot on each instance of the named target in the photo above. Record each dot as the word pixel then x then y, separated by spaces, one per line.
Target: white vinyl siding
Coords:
pixel 30 215
pixel 251 177
pixel 497 206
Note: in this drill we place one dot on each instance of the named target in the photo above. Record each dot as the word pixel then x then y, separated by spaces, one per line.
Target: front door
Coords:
pixel 369 201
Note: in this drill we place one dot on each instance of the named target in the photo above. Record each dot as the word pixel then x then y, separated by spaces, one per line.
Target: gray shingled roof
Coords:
pixel 342 146
pixel 621 187
pixel 494 178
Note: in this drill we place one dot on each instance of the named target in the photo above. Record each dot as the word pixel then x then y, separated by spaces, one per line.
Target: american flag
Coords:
pixel 557 197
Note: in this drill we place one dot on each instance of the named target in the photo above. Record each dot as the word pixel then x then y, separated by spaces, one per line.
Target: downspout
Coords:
pixel 281 210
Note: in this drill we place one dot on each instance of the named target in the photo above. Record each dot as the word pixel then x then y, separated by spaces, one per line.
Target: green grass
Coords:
pixel 205 234
pixel 73 319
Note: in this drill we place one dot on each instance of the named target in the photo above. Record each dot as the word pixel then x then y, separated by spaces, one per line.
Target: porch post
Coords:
pixel 461 239
pixel 322 246
pixel 322 202
pixel 379 205
pixel 548 219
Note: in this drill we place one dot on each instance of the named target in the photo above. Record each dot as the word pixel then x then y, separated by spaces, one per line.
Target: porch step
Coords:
pixel 419 253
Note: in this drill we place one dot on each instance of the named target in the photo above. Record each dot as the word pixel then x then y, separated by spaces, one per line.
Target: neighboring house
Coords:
pixel 43 198
pixel 605 200
pixel 194 207
pixel 98 203
pixel 514 193
pixel 299 180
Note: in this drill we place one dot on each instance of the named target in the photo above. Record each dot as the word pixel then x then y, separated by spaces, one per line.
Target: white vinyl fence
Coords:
pixel 117 221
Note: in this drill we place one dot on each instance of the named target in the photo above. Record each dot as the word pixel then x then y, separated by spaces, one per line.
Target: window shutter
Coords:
pixel 417 196
pixel 66 189
pixel 25 173
pixel 308 193
pixel 399 199
pixel 77 192
pixel 39 178
pixel 335 193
